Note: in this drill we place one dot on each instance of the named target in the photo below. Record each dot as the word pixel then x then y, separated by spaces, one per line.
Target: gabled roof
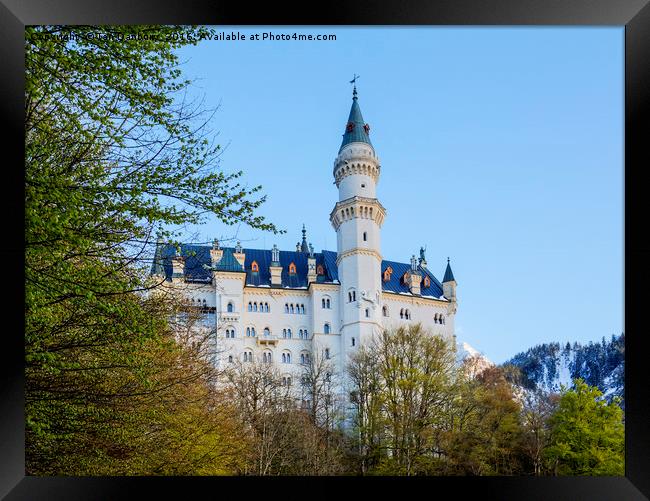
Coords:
pixel 228 262
pixel 196 256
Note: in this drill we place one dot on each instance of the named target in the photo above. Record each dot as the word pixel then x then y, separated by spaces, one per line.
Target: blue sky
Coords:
pixel 500 147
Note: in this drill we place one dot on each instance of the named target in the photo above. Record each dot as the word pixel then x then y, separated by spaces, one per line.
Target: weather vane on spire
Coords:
pixel 354 83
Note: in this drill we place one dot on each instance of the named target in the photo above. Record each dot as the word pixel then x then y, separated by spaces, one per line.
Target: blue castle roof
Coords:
pixel 197 260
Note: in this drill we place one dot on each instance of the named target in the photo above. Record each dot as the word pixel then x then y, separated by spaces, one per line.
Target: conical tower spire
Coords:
pixel 449 275
pixel 356 130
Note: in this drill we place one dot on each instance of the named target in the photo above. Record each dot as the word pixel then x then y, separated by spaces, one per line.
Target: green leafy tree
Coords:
pixel 114 150
pixel 587 434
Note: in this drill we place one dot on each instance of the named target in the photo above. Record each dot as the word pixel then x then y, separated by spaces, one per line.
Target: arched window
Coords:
pixel 284 333
pixel 306 334
pixel 248 332
pixel 302 309
pixel 367 313
pixel 327 353
pixel 292 269
pixel 365 236
pixel 289 381
pixel 442 319
pixel 267 332
pixel 384 311
pixel 289 333
pixel 323 302
pixel 401 313
pixel 291 308
pixel 250 306
pixel 328 304
pixel 254 306
pixel 230 358
pixel 266 307
pixel 407 314
pixel 284 358
pixel 288 358
pixel 354 342
pixel 230 308
pixel 286 308
pixel 302 358
pixel 320 270
pixel 254 267
pixel 387 273
pixel 427 281
pixel 354 295
pixel 435 318
pixel 245 356
pixel 326 328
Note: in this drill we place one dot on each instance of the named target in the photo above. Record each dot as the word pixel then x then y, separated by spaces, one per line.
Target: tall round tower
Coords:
pixel 357 218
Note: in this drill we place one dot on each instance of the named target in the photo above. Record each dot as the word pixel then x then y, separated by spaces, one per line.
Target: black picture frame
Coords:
pixel 634 15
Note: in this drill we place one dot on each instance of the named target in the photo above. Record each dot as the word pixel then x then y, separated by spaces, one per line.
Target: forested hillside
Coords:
pixel 549 365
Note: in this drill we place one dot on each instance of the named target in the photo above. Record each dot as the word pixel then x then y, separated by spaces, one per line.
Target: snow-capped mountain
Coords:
pixel 465 351
pixel 548 366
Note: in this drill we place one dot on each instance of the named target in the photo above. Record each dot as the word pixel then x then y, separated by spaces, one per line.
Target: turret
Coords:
pixel 357 218
pixel 449 284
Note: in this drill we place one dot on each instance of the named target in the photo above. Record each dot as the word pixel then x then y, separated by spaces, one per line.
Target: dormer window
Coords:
pixel 292 269
pixel 427 281
pixel 255 267
pixel 320 270
pixel 387 273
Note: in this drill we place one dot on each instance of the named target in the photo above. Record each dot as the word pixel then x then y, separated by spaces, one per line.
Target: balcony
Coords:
pixel 267 340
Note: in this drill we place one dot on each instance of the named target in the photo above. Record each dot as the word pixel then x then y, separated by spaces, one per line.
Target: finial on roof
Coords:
pixel 414 263
pixel 238 248
pixel 304 247
pixel 215 244
pixel 311 250
pixel 354 83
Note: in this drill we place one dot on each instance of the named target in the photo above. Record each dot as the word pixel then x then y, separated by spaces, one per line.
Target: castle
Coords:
pixel 282 306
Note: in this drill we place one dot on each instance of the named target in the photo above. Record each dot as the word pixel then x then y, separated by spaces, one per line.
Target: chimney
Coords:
pixel 311 265
pixel 276 268
pixel 178 268
pixel 216 253
pixel 414 278
pixel 239 254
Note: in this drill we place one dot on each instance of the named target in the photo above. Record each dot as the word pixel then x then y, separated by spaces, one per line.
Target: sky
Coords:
pixel 501 148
